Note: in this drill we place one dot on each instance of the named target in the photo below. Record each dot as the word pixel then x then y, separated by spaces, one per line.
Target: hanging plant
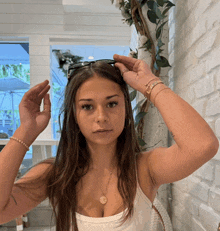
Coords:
pixel 65 59
pixel 157 13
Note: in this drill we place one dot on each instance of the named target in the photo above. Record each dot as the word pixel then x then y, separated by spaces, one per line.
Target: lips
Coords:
pixel 102 130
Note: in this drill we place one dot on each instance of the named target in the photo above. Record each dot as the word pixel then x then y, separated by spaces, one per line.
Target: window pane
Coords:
pixel 14 82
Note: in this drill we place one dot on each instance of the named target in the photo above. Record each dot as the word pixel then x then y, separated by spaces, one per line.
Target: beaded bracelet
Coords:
pixel 20 141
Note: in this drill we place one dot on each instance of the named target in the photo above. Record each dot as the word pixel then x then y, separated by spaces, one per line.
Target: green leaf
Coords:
pixel 158 50
pixel 160 2
pixel 158 33
pixel 147 45
pixel 154 7
pixel 159 30
pixel 170 4
pixel 161 26
pixel 139 116
pixel 129 21
pixel 158 57
pixel 121 5
pixel 143 2
pixel 163 62
pixel 152 16
pixel 151 4
pixel 156 67
pixel 160 44
pixel 139 103
pixel 133 95
pixel 158 12
pixel 165 11
pixel 141 141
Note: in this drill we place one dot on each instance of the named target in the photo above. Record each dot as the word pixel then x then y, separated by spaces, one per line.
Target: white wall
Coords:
pixel 194 48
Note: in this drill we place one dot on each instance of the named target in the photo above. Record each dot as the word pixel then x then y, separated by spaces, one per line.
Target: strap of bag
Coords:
pixel 159 216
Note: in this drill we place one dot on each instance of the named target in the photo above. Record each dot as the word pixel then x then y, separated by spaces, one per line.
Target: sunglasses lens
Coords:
pixel 109 61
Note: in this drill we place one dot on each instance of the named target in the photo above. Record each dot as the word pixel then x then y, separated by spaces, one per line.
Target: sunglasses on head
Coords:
pixel 73 67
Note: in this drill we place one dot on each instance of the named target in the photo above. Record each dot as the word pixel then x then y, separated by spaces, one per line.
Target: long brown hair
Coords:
pixel 72 160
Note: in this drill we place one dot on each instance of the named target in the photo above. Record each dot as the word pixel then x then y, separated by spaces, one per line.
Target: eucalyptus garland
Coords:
pixel 157 13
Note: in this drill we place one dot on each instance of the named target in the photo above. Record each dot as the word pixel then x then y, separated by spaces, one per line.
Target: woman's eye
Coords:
pixel 86 106
pixel 116 103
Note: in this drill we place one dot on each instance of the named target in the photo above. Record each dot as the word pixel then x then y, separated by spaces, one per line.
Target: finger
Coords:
pixel 122 68
pixel 39 98
pixel 34 91
pixel 47 103
pixel 43 92
pixel 127 61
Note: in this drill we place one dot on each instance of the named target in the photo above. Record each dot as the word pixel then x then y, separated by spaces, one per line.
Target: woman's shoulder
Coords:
pixel 46 164
pixel 49 161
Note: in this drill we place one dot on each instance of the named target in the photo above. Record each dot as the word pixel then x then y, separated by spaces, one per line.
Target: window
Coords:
pixel 14 82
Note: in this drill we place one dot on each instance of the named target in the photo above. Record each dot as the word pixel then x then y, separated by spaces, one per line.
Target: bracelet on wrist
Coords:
pixel 20 141
pixel 156 78
pixel 150 87
pixel 158 93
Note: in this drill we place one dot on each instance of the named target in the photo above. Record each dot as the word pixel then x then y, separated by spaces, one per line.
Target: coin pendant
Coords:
pixel 103 200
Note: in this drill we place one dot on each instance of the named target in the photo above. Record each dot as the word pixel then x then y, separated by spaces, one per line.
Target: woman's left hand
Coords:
pixel 136 73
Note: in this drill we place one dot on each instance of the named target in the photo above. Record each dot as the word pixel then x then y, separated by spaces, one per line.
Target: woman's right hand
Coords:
pixel 32 119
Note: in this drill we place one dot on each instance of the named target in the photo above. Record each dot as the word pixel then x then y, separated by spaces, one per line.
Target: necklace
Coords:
pixel 103 199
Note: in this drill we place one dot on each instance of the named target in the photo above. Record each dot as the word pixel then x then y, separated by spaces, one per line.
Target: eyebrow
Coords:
pixel 108 97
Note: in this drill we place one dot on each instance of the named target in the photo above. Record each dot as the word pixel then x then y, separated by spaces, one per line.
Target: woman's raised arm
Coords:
pixel 196 143
pixel 33 122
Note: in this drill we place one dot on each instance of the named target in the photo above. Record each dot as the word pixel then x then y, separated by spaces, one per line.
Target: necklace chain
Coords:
pixel 103 199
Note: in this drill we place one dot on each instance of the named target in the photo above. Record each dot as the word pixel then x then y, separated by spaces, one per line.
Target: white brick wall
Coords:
pixel 194 48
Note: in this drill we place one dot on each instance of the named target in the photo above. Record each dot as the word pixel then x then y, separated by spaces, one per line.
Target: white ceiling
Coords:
pixel 97 17
pixel 101 6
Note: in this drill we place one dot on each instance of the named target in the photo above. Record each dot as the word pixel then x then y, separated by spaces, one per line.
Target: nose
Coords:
pixel 101 114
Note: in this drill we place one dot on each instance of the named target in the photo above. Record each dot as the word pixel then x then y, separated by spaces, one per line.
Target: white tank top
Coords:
pixel 140 220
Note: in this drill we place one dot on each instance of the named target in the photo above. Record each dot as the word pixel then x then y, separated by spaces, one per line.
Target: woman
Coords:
pixel 98 176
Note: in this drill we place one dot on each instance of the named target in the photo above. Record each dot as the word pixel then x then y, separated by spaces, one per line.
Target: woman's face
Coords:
pixel 95 111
